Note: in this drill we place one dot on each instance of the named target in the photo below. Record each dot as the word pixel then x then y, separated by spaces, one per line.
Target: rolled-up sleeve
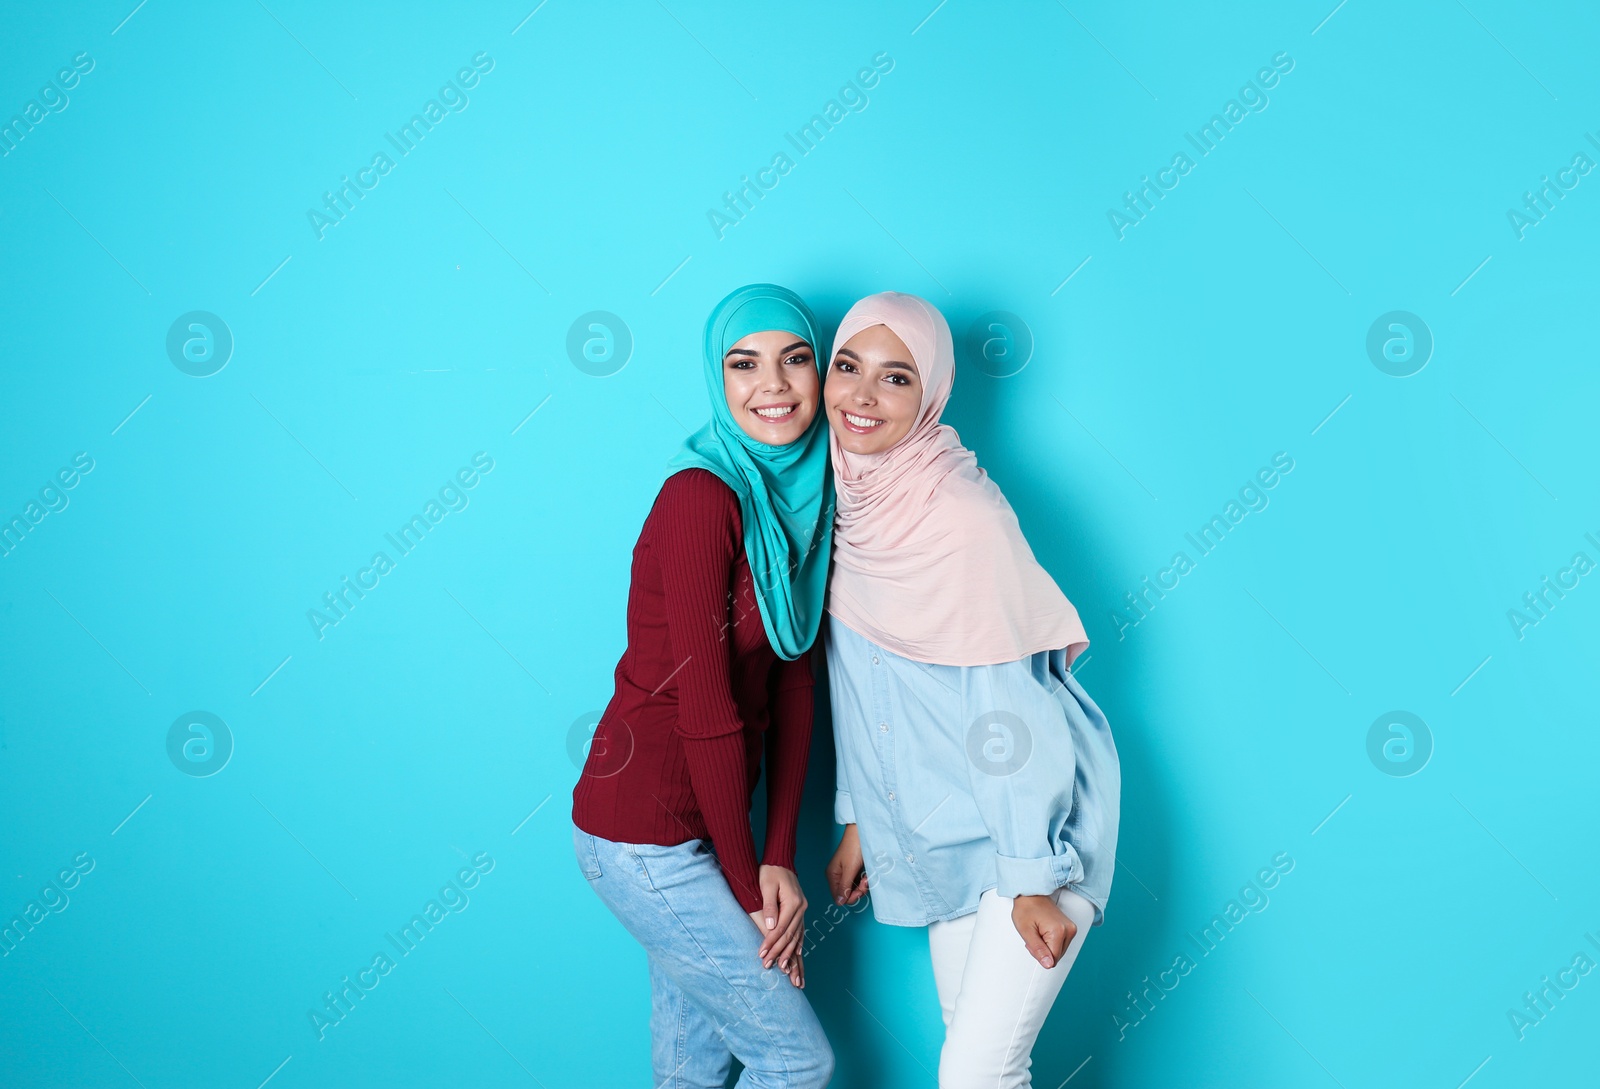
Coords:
pixel 1022 775
pixel 843 811
pixel 1036 876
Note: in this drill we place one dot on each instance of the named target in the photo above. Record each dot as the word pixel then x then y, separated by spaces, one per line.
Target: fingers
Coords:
pixel 791 906
pixel 1053 937
pixel 1038 946
pixel 852 890
pixel 846 871
pixel 1045 929
pixel 767 917
pixel 788 901
pixel 1054 941
pixel 769 903
pixel 1058 932
pixel 838 886
pixel 797 972
pixel 1041 936
pixel 1069 930
pixel 787 947
pixel 786 941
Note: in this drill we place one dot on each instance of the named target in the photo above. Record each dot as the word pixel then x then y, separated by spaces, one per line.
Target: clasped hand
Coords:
pixel 782 922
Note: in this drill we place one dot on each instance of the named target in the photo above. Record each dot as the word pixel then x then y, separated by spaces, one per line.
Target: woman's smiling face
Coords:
pixel 873 393
pixel 772 386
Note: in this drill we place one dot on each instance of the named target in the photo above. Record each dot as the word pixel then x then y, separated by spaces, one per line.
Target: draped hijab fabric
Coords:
pixel 929 560
pixel 785 493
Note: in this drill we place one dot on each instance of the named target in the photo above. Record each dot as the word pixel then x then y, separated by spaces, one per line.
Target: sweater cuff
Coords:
pixel 780 855
pixel 779 848
pixel 746 887
pixel 780 845
pixel 748 900
pixel 844 810
pixel 1037 876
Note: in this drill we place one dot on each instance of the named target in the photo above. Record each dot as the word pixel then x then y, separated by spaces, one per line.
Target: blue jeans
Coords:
pixel 710 997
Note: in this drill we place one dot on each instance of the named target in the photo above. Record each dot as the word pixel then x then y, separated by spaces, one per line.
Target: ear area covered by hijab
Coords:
pixel 786 497
pixel 929 559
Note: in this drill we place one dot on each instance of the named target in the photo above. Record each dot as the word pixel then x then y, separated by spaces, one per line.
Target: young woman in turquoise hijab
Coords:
pixel 726 597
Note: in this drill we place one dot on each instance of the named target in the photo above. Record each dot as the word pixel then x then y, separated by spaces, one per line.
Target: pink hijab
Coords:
pixel 929 561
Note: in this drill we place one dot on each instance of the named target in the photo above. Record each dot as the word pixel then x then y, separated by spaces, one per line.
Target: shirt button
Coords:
pixel 911 858
pixel 883 726
pixel 874 659
pixel 891 795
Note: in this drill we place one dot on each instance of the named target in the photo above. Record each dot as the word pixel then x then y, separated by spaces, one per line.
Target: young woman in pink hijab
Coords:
pixel 977 781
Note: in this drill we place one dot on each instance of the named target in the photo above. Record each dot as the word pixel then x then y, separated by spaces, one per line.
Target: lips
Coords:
pixel 776 413
pixel 861 425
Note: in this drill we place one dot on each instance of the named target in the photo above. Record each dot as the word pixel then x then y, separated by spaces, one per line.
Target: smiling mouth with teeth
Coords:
pixel 861 421
pixel 776 412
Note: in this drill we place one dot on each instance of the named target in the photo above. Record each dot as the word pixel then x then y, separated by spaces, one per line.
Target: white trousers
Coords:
pixel 994 995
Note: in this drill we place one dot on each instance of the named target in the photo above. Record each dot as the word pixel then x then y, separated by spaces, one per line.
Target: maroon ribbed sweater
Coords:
pixel 678 751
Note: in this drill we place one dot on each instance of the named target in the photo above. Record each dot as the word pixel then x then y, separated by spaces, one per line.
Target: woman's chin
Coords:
pixel 774 436
pixel 860 444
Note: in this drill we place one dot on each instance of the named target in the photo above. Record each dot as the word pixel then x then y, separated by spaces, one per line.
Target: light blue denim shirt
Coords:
pixel 961 779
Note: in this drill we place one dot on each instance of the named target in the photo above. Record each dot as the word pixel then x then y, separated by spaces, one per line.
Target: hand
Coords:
pixel 847 873
pixel 782 921
pixel 1045 930
pixel 797 971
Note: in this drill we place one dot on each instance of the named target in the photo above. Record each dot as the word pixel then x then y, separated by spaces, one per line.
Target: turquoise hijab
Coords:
pixel 785 492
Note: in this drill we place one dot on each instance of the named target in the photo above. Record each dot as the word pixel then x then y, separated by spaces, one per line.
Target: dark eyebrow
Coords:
pixel 893 364
pixel 752 351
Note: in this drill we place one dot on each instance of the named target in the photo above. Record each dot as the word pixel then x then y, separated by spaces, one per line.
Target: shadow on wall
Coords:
pixel 1120 953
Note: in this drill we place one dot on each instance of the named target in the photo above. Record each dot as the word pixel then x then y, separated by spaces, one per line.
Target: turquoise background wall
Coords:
pixel 257 320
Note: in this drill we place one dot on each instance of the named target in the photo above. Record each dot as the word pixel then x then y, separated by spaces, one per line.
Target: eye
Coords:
pixel 899 380
pixel 843 365
pixel 798 358
pixel 739 363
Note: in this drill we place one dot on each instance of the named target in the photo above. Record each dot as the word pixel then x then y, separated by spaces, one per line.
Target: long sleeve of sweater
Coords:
pixel 697 555
pixel 788 750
